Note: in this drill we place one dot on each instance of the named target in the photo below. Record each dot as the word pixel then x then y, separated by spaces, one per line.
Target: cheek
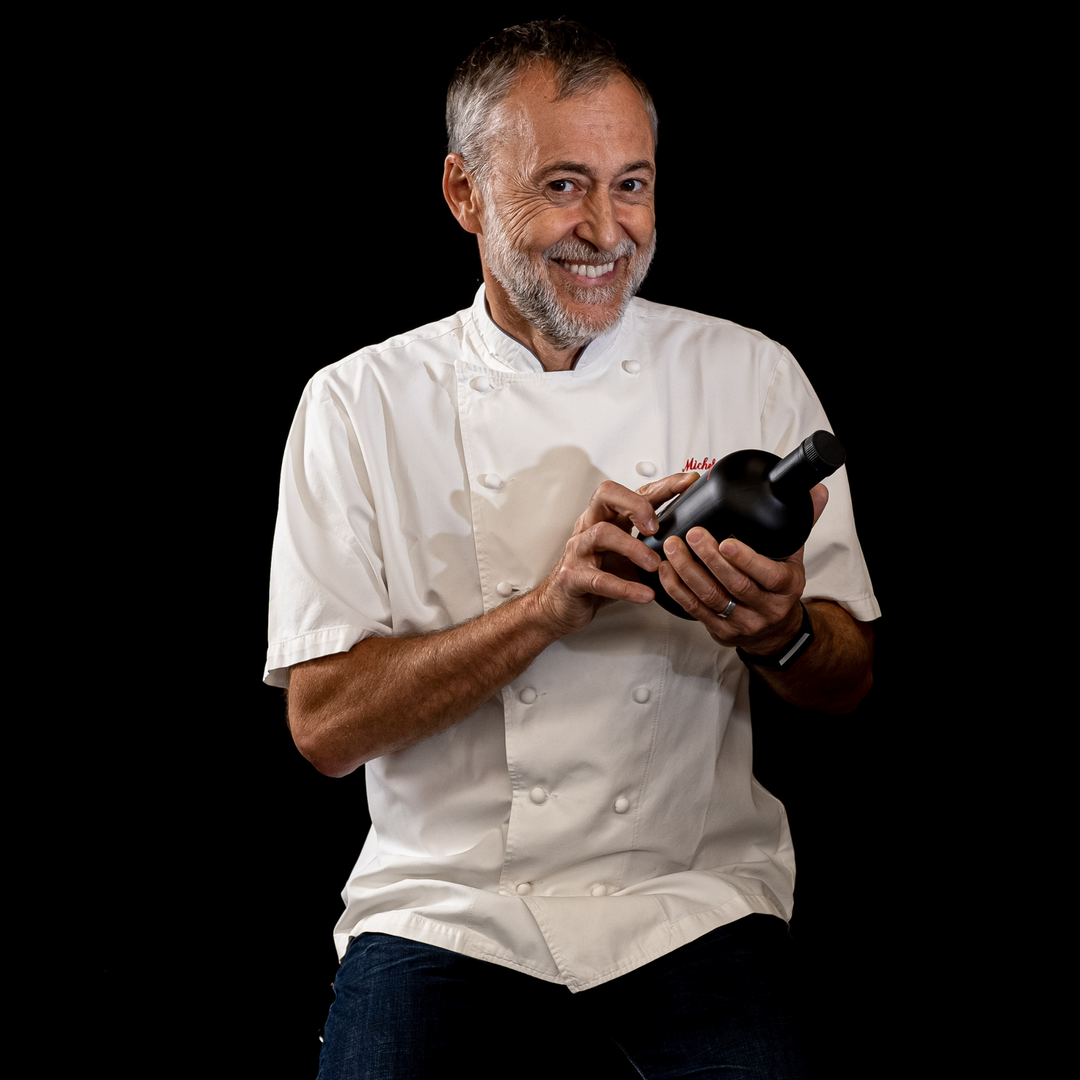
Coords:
pixel 639 222
pixel 526 220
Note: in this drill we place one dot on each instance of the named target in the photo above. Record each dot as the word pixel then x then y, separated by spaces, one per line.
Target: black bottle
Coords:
pixel 754 496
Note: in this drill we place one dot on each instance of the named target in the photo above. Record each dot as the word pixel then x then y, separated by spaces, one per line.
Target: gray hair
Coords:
pixel 579 60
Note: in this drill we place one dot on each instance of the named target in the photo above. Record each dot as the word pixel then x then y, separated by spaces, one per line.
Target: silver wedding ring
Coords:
pixel 728 610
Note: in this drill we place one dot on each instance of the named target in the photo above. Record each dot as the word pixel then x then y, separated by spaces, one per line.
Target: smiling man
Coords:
pixel 568 850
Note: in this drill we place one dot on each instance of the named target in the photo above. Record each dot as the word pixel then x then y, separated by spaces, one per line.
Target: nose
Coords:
pixel 599 224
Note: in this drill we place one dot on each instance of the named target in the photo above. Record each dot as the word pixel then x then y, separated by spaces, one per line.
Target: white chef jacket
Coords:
pixel 601 810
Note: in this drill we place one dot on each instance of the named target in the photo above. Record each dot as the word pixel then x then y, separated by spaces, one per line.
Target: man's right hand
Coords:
pixel 594 568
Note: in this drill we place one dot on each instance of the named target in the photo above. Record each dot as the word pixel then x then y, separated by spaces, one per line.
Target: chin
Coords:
pixel 568 316
pixel 579 324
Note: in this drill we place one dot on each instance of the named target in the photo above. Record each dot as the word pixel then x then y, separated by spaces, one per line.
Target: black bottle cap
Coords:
pixel 824 452
pixel 819 455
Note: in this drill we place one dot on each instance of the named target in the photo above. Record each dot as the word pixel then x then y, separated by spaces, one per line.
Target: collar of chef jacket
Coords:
pixel 506 353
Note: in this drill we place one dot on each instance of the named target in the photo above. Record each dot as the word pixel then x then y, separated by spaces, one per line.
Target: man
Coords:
pixel 559 771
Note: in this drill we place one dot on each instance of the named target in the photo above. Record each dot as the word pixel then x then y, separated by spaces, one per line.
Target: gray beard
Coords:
pixel 533 294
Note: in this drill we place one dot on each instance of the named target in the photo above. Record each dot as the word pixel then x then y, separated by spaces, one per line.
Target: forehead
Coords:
pixel 606 127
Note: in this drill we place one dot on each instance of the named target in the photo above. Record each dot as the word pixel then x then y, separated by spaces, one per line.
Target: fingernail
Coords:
pixel 671 545
pixel 694 535
pixel 729 547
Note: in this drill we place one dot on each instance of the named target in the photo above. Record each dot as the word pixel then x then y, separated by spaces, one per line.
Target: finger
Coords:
pixel 605 538
pixel 660 491
pixel 581 579
pixel 701 581
pixel 611 501
pixel 707 591
pixel 588 560
pixel 707 608
pixel 743 571
pixel 773 575
pixel 681 593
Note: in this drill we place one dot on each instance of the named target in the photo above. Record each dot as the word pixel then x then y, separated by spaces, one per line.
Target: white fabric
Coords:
pixel 601 810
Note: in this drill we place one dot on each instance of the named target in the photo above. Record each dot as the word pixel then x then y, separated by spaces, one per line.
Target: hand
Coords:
pixel 592 570
pixel 767 613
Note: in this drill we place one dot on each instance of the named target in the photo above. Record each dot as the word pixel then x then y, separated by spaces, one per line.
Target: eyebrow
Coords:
pixel 587 170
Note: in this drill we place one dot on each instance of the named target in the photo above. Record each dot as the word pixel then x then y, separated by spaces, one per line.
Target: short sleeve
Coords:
pixel 835 567
pixel 327 587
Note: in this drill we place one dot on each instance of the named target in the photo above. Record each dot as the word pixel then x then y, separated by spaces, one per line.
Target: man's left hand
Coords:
pixel 767 613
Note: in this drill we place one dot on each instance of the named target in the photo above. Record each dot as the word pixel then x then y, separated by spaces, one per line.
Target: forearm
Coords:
pixel 386 694
pixel 835 673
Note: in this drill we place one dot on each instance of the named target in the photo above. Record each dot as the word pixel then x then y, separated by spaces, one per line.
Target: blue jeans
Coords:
pixel 721 1006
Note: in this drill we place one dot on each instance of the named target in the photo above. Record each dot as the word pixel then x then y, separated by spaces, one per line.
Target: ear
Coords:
pixel 462 194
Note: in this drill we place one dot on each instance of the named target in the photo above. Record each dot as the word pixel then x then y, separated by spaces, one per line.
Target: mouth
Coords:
pixel 586 272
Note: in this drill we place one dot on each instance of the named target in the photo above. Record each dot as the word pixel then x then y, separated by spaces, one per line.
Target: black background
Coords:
pixel 294 171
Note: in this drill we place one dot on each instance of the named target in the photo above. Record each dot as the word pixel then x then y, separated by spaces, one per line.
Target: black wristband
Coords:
pixel 782 660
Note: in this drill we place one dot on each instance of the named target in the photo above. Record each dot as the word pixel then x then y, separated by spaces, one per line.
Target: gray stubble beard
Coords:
pixel 535 297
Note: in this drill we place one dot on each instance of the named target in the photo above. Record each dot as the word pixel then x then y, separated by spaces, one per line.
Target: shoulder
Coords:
pixel 707 339
pixel 659 318
pixel 406 378
pixel 435 344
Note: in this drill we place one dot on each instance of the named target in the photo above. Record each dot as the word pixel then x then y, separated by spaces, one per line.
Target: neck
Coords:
pixel 508 319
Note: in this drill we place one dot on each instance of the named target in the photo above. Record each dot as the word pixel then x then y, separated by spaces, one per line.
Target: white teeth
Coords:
pixel 586 270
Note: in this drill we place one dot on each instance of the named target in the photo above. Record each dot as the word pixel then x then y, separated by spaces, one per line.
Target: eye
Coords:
pixel 561 186
pixel 632 185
